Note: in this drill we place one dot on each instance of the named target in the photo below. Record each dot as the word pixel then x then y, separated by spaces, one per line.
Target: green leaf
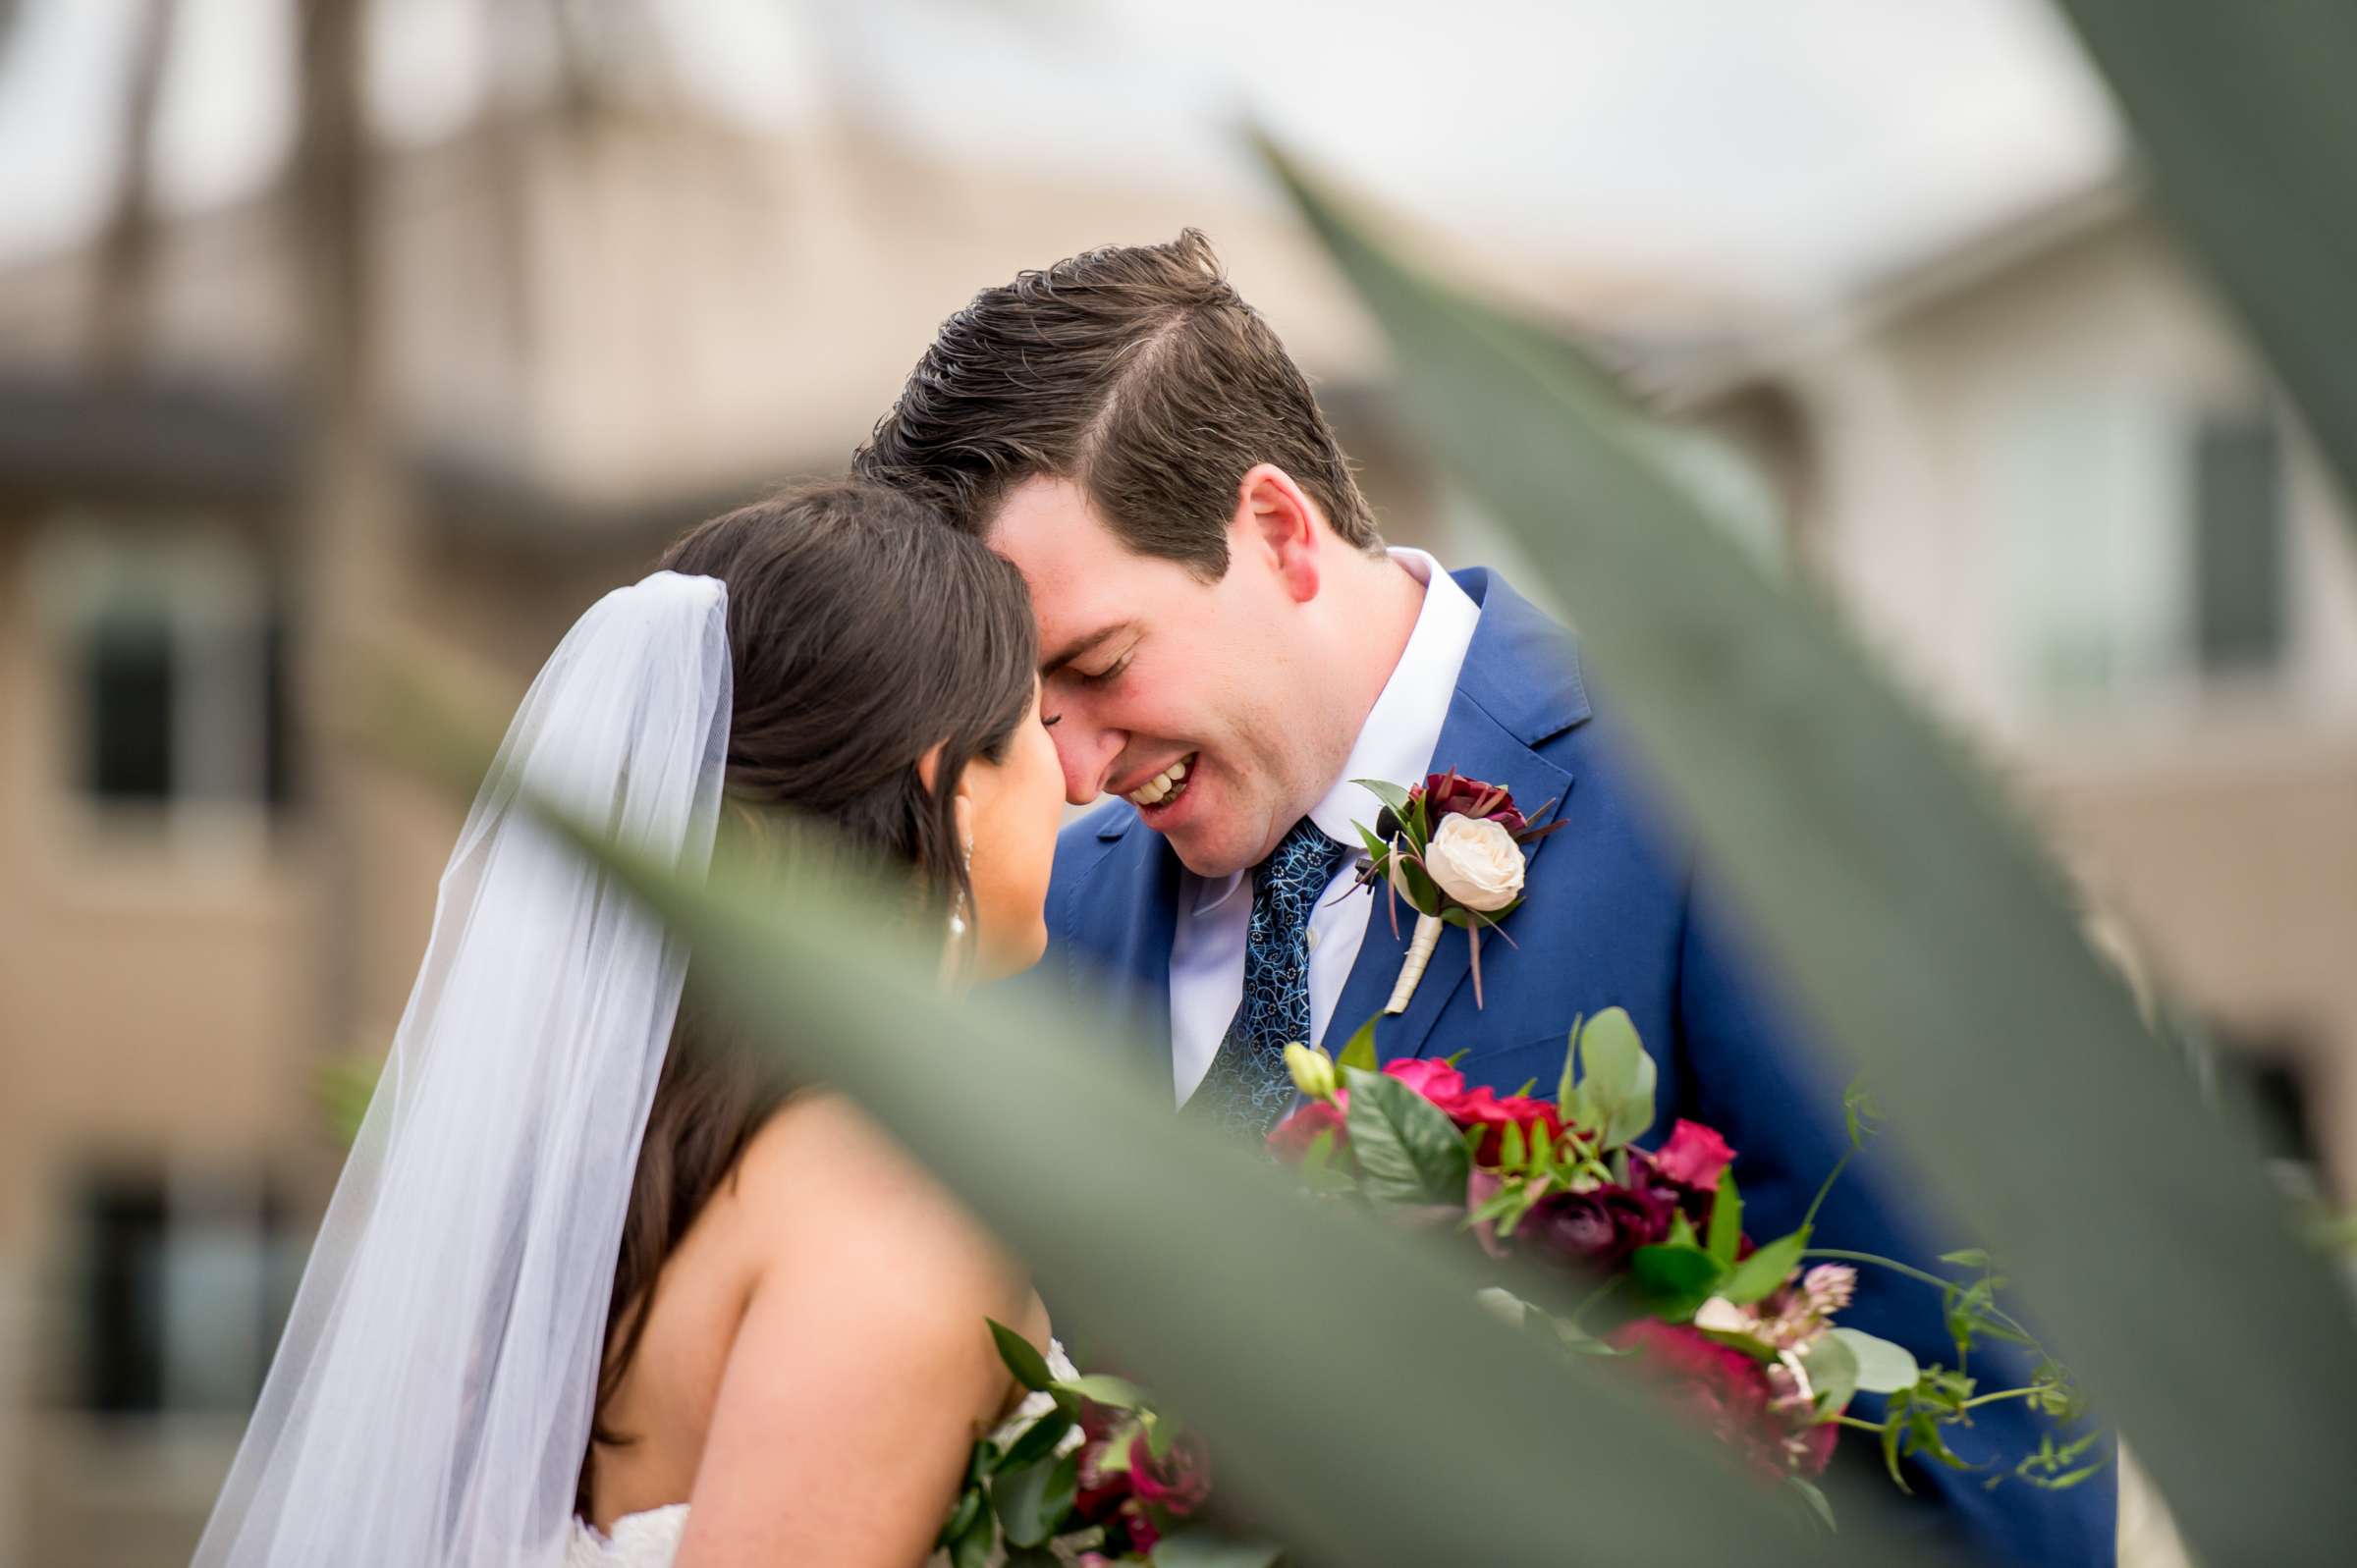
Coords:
pixel 1512 1151
pixel 1360 1051
pixel 1567 1098
pixel 1617 1075
pixel 1118 1393
pixel 1883 1366
pixel 1969 1258
pixel 1673 1280
pixel 1022 1357
pixel 1832 1368
pixel 970 1502
pixel 1033 1500
pixel 1726 1220
pixel 1394 797
pixel 1819 1507
pixel 1681 1234
pixel 1200 1546
pixel 1765 1270
pixel 971 1546
pixel 1038 1441
pixel 1913 918
pixel 1408 1151
pixel 2244 121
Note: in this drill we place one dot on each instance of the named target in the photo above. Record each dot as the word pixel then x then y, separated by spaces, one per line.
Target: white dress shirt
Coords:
pixel 1396 742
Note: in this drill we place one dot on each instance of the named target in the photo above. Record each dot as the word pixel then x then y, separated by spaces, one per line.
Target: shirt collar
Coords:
pixel 1404 728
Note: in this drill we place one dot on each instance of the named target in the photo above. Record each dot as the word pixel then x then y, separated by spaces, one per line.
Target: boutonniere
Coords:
pixel 1453 848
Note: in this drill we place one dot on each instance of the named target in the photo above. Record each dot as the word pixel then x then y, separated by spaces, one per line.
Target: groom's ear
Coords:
pixel 1278 525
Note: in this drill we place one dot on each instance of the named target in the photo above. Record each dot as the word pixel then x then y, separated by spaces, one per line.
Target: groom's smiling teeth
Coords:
pixel 1164 787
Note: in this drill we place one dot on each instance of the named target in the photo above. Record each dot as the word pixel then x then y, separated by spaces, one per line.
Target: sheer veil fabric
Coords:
pixel 431 1398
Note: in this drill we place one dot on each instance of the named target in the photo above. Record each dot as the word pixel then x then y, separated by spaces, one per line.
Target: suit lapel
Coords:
pixel 1521 685
pixel 1130 903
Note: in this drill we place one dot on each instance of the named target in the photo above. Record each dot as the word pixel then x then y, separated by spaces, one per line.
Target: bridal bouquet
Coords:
pixel 1741 1335
pixel 1086 1473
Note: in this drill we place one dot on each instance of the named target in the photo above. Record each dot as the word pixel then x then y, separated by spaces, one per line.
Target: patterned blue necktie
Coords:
pixel 1247 1087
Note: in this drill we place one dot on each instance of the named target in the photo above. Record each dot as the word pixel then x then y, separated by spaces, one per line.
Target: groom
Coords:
pixel 1226 643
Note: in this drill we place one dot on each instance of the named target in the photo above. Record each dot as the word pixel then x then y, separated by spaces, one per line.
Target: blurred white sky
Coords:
pixel 1779 151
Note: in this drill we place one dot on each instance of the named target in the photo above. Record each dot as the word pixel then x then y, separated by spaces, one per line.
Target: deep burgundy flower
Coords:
pixel 1602 1227
pixel 1445 792
pixel 1100 1492
pixel 1694 1157
pixel 1178 1481
pixel 1290 1139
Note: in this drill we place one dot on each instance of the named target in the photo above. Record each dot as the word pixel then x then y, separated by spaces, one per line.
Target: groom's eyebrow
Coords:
pixel 1079 646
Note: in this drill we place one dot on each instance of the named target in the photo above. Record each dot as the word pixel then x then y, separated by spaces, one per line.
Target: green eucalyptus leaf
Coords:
pixel 1832 1368
pixel 1619 1076
pixel 1883 1366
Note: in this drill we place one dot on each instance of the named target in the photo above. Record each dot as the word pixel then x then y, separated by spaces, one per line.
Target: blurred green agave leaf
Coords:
pixel 2246 116
pixel 1921 927
pixel 1360 1403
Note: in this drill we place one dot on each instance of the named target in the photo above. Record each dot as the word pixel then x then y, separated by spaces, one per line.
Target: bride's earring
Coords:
pixel 958 909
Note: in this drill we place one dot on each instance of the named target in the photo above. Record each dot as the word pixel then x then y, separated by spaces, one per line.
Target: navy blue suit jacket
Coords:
pixel 1610 919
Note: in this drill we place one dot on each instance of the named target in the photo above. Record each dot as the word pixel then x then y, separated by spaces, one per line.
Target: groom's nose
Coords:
pixel 1088 754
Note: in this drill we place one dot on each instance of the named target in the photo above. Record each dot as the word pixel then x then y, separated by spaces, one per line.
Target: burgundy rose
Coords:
pixel 1178 1481
pixel 1601 1227
pixel 1100 1492
pixel 1445 792
pixel 1143 1535
pixel 1694 1157
pixel 1290 1139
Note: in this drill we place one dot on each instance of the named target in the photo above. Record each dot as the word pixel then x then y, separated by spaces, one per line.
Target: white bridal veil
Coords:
pixel 431 1398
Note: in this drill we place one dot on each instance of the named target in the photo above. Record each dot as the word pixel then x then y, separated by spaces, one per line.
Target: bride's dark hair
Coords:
pixel 864 631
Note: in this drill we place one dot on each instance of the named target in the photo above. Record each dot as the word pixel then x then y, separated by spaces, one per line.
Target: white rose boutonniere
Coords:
pixel 1452 848
pixel 1476 862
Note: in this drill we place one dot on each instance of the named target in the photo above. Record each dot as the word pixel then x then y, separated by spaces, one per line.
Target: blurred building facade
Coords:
pixel 2045 479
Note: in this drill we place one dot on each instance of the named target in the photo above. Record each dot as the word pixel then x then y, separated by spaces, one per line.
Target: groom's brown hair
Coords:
pixel 1138 373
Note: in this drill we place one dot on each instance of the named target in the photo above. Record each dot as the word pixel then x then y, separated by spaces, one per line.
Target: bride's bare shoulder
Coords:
pixel 822 1185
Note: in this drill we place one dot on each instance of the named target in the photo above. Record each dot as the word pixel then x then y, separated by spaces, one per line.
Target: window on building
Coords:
pixel 2146 551
pixel 183 1287
pixel 2238 545
pixel 173 654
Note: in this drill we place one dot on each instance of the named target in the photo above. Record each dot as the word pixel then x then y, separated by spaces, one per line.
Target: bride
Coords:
pixel 591 1290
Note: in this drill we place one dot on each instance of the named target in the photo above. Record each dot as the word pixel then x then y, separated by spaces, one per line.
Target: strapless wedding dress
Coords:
pixel 652 1540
